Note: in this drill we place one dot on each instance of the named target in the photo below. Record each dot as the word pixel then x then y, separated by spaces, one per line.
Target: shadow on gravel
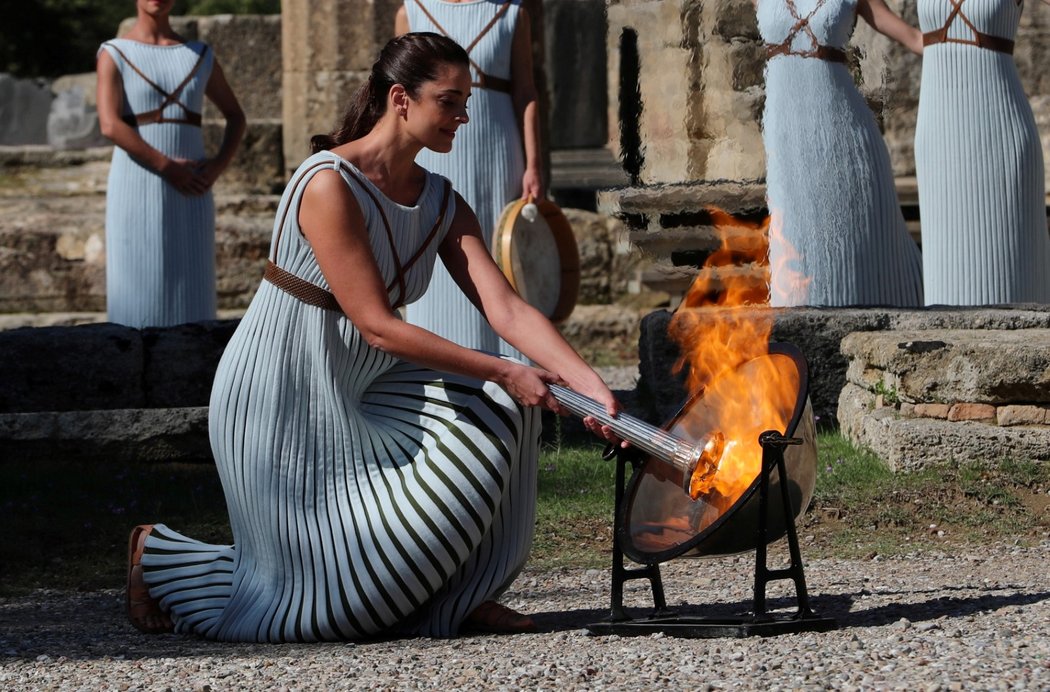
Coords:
pixel 915 610
pixel 841 607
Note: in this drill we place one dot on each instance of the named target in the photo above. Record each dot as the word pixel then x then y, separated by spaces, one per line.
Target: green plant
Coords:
pixel 889 394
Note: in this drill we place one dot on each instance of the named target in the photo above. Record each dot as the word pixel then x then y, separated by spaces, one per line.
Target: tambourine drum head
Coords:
pixel 532 253
pixel 539 257
pixel 661 521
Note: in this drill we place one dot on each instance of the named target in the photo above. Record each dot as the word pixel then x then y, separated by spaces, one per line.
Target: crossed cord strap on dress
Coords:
pixel 157 115
pixel 312 294
pixel 485 81
pixel 980 39
pixel 819 51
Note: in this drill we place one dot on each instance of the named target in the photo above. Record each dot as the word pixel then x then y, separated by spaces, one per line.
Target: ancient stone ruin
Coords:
pixel 948 395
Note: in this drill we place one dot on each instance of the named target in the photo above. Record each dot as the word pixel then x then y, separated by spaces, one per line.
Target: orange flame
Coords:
pixel 724 323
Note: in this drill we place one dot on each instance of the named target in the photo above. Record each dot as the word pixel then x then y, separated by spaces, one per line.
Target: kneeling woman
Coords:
pixel 379 478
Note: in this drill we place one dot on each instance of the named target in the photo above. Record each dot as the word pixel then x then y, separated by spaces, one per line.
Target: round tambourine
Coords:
pixel 537 252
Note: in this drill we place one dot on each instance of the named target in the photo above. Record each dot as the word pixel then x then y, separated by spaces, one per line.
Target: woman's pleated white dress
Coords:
pixel 160 244
pixel 486 163
pixel 366 494
pixel 979 162
pixel 837 235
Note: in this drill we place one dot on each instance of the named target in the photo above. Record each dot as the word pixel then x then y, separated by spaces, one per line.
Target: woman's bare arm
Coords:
pixel 526 107
pixel 332 221
pixel 219 92
pixel 401 22
pixel 468 261
pixel 886 22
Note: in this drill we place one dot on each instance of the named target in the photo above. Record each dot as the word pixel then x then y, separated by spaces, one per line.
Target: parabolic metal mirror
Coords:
pixel 659 520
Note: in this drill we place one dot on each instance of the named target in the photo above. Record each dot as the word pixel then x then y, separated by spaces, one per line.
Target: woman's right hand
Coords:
pixel 528 386
pixel 184 176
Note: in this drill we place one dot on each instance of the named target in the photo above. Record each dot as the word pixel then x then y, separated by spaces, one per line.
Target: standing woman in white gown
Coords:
pixel 498 158
pixel 837 235
pixel 979 161
pixel 160 215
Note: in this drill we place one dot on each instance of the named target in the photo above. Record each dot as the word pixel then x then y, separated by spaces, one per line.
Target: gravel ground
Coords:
pixel 979 619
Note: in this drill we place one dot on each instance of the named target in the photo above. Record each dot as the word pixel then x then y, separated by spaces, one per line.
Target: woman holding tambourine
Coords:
pixel 495 161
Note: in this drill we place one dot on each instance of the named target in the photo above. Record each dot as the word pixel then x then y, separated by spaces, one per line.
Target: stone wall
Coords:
pixel 946 396
pixel 62 114
pixel 700 88
pixel 52 233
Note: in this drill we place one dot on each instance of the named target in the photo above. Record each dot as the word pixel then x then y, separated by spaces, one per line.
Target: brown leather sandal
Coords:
pixel 495 618
pixel 144 611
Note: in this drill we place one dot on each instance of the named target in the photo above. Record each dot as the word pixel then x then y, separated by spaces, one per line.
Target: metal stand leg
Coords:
pixel 620 572
pixel 773 444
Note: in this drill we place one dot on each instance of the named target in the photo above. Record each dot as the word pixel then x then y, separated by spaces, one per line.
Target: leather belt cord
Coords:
pixel 818 51
pixel 484 81
pixel 980 39
pixel 157 115
pixel 827 53
pixel 311 293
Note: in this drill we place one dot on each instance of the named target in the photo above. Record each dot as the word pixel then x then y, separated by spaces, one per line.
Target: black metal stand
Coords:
pixel 759 622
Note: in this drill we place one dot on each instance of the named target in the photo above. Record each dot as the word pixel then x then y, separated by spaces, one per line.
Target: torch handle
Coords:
pixel 650 439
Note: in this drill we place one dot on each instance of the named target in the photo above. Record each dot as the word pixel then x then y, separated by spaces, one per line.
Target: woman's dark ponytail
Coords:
pixel 409 60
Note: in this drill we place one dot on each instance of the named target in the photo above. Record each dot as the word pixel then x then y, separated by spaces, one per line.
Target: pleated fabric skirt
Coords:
pixel 366 495
pixel 160 244
pixel 837 235
pixel 982 194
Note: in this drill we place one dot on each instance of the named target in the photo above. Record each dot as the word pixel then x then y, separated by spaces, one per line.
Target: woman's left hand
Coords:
pixel 601 393
pixel 532 184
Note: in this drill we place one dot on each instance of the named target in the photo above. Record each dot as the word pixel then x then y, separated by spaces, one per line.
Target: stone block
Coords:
pixel 1022 415
pixel 248 48
pixel 73 120
pixel 24 108
pixel 116 435
pixel 575 43
pixel 98 366
pixel 314 103
pixel 907 444
pixel 52 253
pixel 179 362
pixel 258 166
pixel 605 260
pixel 932 410
pixel 960 365
pixel 984 413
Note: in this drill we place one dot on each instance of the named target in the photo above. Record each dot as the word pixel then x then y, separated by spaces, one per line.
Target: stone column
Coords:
pixel 699 88
pixel 328 49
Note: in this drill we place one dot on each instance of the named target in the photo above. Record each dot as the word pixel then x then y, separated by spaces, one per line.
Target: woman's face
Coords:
pixel 440 107
pixel 155 8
